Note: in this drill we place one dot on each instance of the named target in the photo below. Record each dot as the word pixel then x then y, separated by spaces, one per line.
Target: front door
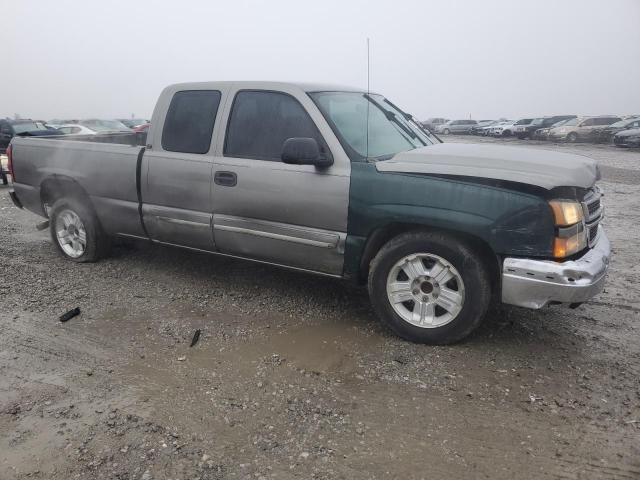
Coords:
pixel 293 215
pixel 177 206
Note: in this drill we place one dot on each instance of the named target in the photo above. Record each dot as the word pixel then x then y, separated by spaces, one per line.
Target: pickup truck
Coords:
pixel 335 181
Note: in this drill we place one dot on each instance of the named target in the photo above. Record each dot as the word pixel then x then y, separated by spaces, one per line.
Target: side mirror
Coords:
pixel 304 151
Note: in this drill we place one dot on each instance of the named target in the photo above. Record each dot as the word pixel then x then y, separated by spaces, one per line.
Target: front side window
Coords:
pixel 389 131
pixel 190 119
pixel 261 121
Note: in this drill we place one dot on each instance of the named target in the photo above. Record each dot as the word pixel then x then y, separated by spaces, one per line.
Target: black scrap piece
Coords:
pixel 70 314
pixel 196 337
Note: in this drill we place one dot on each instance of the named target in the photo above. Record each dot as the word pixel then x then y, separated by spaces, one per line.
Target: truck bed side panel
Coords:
pixel 107 172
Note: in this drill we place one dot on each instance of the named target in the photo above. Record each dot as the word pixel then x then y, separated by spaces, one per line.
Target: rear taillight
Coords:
pixel 10 161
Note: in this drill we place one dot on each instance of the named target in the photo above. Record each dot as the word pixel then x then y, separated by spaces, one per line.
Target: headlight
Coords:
pixel 566 212
pixel 571 235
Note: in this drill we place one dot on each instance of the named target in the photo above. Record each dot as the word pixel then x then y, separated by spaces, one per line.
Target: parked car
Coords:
pixel 22 127
pixel 627 138
pixel 529 130
pixel 3 174
pixel 142 128
pixel 581 128
pixel 479 128
pixel 543 133
pixel 509 130
pixel 456 126
pixel 297 185
pixel 432 123
pixel 105 126
pixel 497 129
pixel 76 129
pixel 606 134
pixel 132 122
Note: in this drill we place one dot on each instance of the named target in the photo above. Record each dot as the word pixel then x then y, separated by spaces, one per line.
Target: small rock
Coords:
pixel 182 359
pixel 146 475
pixel 304 455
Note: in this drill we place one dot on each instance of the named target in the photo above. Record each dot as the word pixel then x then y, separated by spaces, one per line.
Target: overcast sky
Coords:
pixel 487 59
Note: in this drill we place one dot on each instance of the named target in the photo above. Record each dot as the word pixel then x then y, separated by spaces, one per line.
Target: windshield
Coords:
pixel 27 127
pixel 133 122
pixel 105 125
pixel 623 123
pixel 573 121
pixel 560 123
pixel 389 131
pixel 524 121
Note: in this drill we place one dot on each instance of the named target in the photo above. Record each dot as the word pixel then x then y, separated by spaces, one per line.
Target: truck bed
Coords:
pixel 104 166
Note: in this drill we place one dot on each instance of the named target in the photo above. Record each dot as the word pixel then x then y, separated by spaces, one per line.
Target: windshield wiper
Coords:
pixel 411 119
pixel 393 118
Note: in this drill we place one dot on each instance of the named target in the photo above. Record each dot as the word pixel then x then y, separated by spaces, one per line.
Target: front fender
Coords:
pixel 509 222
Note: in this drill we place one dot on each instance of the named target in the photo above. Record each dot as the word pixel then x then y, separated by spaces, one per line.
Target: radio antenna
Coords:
pixel 368 92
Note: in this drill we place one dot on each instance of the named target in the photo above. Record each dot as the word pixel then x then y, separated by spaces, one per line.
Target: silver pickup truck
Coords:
pixel 334 181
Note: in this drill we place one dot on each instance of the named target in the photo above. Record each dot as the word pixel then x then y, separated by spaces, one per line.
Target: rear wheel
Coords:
pixel 429 287
pixel 76 232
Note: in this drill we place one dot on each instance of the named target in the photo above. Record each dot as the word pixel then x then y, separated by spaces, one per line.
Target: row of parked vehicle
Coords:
pixel 33 128
pixel 621 131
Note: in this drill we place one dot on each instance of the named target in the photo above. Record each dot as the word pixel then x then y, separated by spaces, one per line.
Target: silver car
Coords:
pixel 456 126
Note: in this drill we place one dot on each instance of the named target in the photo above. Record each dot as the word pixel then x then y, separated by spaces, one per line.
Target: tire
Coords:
pixel 78 221
pixel 469 285
pixel 446 131
pixel 506 133
pixel 572 137
pixel 521 137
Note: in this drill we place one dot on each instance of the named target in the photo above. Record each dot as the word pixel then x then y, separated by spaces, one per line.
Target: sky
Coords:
pixel 456 59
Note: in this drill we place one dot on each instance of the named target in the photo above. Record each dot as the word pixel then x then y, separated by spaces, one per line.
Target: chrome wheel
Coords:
pixel 71 233
pixel 425 290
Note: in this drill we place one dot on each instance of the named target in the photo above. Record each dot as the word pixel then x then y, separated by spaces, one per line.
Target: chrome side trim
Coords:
pixel 182 222
pixel 536 283
pixel 277 236
pixel 312 237
pixel 287 267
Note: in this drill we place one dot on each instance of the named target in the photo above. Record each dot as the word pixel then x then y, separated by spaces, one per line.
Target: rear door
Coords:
pixel 293 215
pixel 178 160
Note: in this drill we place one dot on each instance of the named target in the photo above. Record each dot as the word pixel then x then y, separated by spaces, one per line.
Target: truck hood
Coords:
pixel 542 168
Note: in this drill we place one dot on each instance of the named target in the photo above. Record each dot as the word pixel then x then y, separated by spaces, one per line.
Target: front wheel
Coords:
pixel 76 231
pixel 572 137
pixel 429 287
pixel 446 131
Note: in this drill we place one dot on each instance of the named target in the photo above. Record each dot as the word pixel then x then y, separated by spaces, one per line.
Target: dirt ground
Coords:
pixel 293 376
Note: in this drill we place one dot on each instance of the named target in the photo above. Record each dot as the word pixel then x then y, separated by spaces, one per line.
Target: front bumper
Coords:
pixel 537 283
pixel 557 136
pixel 626 141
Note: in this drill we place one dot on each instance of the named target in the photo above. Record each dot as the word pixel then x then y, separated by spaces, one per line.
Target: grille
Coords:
pixel 593 207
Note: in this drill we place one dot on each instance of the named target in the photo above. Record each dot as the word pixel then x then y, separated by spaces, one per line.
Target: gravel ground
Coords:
pixel 293 377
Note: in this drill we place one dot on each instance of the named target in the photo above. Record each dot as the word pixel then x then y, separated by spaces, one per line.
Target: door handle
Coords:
pixel 226 179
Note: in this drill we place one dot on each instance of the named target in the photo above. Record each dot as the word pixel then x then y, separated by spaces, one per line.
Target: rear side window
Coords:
pixel 189 122
pixel 261 121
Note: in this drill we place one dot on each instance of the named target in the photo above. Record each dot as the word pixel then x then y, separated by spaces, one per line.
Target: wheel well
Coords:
pixel 57 187
pixel 381 236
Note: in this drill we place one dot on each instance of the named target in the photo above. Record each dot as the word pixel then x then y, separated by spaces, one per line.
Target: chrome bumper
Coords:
pixel 536 283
